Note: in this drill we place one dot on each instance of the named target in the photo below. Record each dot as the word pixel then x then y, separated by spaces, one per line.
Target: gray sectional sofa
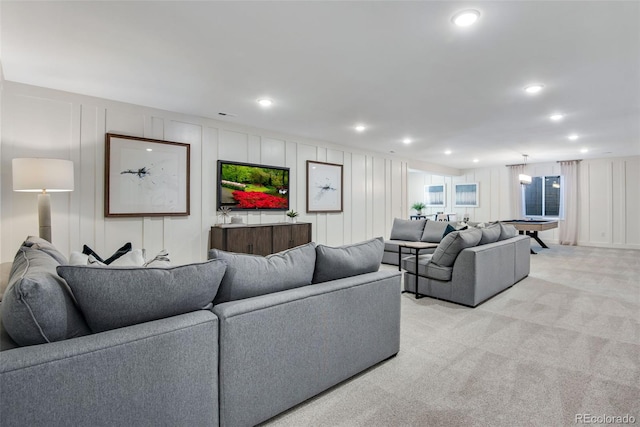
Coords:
pixel 468 266
pixel 206 349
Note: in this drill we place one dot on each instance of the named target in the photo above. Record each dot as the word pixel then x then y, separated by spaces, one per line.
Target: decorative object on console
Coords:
pixel 236 220
pixel 324 187
pixel 293 214
pixel 224 212
pixel 146 177
pixel 45 176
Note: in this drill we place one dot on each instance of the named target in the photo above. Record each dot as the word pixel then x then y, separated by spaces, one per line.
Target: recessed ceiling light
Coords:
pixel 534 88
pixel 447 152
pixel 149 149
pixel 265 102
pixel 556 117
pixel 407 141
pixel 475 160
pixel 360 128
pixel 573 137
pixel 465 17
pixel 584 150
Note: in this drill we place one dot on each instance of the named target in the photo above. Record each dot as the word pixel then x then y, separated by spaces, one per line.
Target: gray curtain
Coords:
pixel 568 227
pixel 515 191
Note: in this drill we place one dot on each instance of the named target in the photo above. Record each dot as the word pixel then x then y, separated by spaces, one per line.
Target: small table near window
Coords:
pixel 414 247
pixel 417 217
pixel 531 228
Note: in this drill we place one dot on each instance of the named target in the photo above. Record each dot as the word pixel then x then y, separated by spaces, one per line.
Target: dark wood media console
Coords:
pixel 259 239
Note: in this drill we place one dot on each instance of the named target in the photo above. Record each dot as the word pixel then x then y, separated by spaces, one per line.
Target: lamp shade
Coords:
pixel 42 174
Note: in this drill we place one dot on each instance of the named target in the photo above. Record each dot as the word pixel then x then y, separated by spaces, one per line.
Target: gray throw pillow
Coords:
pixel 252 275
pixel 38 307
pixel 490 234
pixel 434 231
pixel 114 297
pixel 507 231
pixel 407 229
pixel 454 242
pixel 46 247
pixel 349 260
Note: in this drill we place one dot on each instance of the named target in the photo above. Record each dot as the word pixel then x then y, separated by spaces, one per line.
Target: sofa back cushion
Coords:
pixel 507 231
pixel 252 275
pixel 453 243
pixel 407 229
pixel 38 307
pixel 350 260
pixel 46 247
pixel 490 234
pixel 114 297
pixel 434 230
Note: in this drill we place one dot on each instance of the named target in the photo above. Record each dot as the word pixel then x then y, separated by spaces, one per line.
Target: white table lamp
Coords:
pixel 44 176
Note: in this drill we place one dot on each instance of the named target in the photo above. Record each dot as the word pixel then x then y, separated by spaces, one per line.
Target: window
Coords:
pixel 543 197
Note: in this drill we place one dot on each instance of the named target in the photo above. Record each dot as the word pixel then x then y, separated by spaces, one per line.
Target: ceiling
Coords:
pixel 401 68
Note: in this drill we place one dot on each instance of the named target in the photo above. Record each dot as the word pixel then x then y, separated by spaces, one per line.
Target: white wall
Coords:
pixel 38 122
pixel 609 198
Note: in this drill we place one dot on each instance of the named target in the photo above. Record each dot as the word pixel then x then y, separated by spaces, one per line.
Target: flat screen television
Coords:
pixel 246 186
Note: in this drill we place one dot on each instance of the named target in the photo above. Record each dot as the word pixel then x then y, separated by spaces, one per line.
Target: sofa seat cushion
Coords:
pixel 38 307
pixel 426 268
pixel 115 297
pixel 453 243
pixel 433 231
pixel 252 275
pixel 350 260
pixel 407 229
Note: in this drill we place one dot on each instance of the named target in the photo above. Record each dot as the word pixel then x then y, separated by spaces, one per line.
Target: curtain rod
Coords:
pixel 559 161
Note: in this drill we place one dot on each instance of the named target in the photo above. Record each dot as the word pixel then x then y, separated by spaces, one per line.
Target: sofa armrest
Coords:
pixel 156 373
pixel 280 349
pixel 483 271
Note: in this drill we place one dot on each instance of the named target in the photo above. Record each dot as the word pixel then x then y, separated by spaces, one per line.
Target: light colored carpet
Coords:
pixel 563 341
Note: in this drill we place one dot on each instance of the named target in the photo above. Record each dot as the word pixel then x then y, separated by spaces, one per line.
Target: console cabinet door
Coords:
pixel 249 240
pixel 289 236
pixel 281 237
pixel 300 234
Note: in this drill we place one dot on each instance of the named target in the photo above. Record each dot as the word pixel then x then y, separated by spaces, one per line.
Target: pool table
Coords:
pixel 530 227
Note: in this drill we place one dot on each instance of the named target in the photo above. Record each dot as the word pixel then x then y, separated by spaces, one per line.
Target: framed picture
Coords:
pixel 324 187
pixel 435 195
pixel 145 177
pixel 466 195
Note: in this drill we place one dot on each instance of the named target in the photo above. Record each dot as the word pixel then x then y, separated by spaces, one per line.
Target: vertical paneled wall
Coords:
pixel 609 199
pixel 38 122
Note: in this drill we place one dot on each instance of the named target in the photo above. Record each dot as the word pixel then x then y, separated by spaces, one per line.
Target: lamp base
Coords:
pixel 44 216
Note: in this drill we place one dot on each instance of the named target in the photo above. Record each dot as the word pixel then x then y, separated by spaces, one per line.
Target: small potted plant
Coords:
pixel 292 214
pixel 418 206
